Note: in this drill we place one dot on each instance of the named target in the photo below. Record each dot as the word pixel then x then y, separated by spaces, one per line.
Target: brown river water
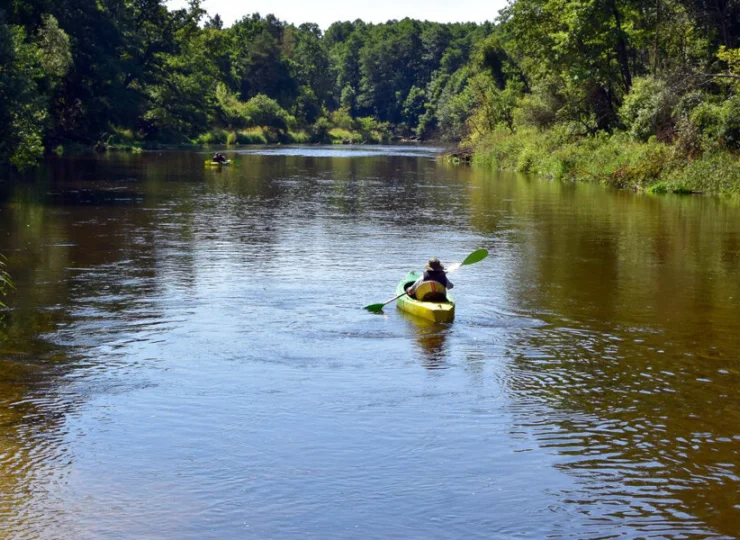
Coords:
pixel 186 355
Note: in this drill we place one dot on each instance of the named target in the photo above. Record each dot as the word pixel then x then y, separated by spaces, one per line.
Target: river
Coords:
pixel 187 356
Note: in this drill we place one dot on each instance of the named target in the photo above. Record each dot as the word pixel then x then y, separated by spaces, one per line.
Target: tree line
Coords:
pixel 101 71
pixel 659 68
pixel 92 71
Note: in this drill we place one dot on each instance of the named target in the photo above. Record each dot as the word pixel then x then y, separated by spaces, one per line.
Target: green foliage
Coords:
pixel 707 117
pixel 731 57
pixel 27 69
pixel 717 173
pixel 342 119
pixel 259 111
pixel 729 127
pixel 119 72
pixel 307 106
pixel 371 130
pixel 494 106
pixel 344 136
pixel 688 142
pixel 612 160
pixel 454 108
pixel 264 111
pixel 251 136
pixel 215 136
pixel 55 55
pixel 414 106
pixel 320 130
pixel 348 98
pixel 538 109
pixel 647 109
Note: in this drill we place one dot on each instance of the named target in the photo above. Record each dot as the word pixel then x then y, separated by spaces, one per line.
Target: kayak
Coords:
pixel 431 311
pixel 218 163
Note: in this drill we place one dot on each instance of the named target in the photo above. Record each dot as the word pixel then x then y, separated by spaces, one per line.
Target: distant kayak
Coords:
pixel 431 311
pixel 210 163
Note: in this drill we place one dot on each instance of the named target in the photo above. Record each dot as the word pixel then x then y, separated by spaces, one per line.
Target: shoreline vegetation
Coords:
pixel 612 160
pixel 632 94
pixel 122 75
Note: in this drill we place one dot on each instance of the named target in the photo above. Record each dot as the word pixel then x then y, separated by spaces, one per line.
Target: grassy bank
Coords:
pixel 612 160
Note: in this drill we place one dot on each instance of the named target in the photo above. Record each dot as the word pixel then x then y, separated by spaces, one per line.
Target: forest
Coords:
pixel 651 88
pixel 112 72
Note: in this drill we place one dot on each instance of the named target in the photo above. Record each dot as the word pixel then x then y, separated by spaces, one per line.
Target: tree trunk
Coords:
pixel 657 38
pixel 622 56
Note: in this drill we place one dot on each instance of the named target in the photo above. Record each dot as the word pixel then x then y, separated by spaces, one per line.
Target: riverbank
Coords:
pixel 127 141
pixel 612 160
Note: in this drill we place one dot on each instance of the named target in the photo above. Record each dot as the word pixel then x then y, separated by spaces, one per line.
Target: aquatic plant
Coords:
pixel 6 283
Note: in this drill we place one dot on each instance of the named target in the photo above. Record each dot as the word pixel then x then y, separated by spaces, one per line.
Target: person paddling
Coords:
pixel 433 272
pixel 219 158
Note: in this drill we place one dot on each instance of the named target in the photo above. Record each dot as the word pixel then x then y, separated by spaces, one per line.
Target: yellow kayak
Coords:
pixel 210 163
pixel 431 311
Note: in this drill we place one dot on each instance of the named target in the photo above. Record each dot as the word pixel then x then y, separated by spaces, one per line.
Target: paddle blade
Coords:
pixel 477 256
pixel 374 308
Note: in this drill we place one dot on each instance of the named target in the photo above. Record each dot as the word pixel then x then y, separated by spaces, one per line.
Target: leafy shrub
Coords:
pixel 688 102
pixel 341 136
pixel 527 159
pixel 307 107
pixel 258 111
pixel 688 143
pixel 707 117
pixel 265 111
pixel 729 128
pixel 647 109
pixel 538 109
pixel 232 111
pixel 712 173
pixel 215 136
pixel 427 123
pixel 372 130
pixel 298 137
pixel 251 136
pixel 320 130
pixel 341 119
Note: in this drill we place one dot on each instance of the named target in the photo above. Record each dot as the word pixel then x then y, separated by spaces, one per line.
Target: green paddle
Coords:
pixel 477 256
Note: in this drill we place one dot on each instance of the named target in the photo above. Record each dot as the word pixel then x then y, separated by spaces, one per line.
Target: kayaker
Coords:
pixel 433 271
pixel 219 158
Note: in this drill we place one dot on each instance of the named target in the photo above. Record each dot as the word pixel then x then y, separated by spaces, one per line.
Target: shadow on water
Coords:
pixel 430 339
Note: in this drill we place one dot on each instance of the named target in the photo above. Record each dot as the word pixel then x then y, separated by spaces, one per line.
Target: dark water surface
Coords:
pixel 186 357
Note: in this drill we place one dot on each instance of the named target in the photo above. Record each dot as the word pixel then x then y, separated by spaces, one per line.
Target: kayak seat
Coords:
pixel 431 291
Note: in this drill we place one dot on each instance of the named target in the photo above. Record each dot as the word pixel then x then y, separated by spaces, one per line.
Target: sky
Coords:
pixel 325 12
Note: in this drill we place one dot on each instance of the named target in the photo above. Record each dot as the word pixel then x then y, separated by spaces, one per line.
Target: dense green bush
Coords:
pixel 215 136
pixel 729 128
pixel 264 111
pixel 320 130
pixel 647 109
pixel 538 109
pixel 707 117
pixel 342 119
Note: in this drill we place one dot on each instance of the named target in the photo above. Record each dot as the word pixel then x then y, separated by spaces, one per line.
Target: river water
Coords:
pixel 186 356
